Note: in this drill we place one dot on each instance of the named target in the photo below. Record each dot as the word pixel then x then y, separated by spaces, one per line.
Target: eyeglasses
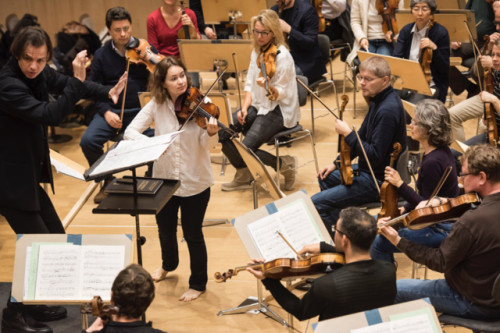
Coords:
pixel 119 30
pixel 335 229
pixel 462 175
pixel 262 33
pixel 368 79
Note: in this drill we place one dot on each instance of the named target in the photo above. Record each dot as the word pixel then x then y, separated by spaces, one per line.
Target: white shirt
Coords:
pixel 188 158
pixel 415 45
pixel 375 21
pixel 283 80
pixel 331 9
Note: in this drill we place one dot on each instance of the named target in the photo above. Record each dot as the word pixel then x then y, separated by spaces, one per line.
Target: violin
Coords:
pixel 425 56
pixel 345 167
pixel 423 217
pixel 193 100
pixel 387 8
pixel 322 22
pixel 98 309
pixel 187 31
pixel 139 52
pixel 267 63
pixel 388 192
pixel 284 267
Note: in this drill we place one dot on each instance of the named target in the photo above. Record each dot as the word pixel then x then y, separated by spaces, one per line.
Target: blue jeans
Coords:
pixel 443 298
pixel 431 236
pixel 380 46
pixel 334 196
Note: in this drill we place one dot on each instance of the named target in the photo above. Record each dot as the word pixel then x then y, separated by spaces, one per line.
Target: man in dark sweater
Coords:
pixel 299 22
pixel 383 126
pixel 468 257
pixel 107 66
pixel 361 284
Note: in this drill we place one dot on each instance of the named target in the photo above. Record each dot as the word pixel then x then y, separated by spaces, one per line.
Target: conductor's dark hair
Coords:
pixel 359 226
pixel 133 291
pixel 30 36
pixel 117 14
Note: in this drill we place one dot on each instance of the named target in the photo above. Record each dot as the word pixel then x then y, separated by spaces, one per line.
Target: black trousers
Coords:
pixel 192 214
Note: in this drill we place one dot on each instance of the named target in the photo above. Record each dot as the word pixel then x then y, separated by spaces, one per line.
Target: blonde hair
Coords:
pixel 270 20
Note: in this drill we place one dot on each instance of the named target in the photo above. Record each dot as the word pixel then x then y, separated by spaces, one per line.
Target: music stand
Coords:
pixel 452 19
pixel 408 72
pixel 216 11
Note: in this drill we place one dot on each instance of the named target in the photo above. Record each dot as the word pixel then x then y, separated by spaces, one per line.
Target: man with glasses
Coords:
pixel 383 125
pixel 361 284
pixel 299 21
pixel 108 65
pixel 468 257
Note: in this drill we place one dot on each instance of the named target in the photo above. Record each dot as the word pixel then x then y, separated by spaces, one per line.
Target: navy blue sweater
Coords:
pixel 383 126
pixel 440 64
pixel 107 68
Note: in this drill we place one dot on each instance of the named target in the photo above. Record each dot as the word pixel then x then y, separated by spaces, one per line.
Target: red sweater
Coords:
pixel 164 38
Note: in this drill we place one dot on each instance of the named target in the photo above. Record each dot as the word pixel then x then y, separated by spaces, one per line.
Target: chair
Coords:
pixel 222 101
pixel 473 324
pixel 288 136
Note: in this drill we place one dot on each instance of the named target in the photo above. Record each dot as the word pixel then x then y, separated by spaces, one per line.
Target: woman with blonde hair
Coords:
pixel 269 107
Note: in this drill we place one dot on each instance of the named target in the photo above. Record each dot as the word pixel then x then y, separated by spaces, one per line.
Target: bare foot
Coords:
pixel 190 295
pixel 159 274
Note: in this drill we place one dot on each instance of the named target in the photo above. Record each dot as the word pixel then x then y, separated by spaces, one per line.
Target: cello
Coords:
pixel 388 192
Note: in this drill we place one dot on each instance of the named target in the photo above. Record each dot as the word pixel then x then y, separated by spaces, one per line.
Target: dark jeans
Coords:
pixel 45 221
pixel 99 132
pixel 192 213
pixel 257 130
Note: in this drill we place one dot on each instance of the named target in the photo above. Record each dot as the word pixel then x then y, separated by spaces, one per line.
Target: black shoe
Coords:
pixel 16 322
pixel 45 313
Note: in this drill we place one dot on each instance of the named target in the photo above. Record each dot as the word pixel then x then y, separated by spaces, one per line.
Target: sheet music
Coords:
pixel 415 324
pixel 66 166
pixel 295 224
pixel 101 264
pixel 58 272
pixel 133 152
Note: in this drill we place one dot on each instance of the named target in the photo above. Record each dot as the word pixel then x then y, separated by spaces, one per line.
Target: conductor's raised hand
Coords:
pixel 256 272
pixel 115 92
pixel 79 63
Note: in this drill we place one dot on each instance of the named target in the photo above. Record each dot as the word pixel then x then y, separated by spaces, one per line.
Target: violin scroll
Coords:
pixel 98 309
pixel 223 277
pixel 139 52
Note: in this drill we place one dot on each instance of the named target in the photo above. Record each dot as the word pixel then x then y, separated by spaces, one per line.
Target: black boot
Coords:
pixel 15 321
pixel 45 313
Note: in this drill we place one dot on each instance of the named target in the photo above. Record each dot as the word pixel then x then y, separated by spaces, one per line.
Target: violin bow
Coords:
pixel 440 183
pixel 317 97
pixel 124 93
pixel 205 95
pixel 367 160
pixel 237 79
pixel 289 245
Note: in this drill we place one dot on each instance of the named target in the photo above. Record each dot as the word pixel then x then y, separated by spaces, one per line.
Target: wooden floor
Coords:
pixel 225 249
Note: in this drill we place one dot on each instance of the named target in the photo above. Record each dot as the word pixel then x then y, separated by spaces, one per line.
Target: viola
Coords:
pixel 139 51
pixel 387 8
pixel 267 63
pixel 388 192
pixel 193 100
pixel 98 309
pixel 423 217
pixel 284 267
pixel 425 56
pixel 344 164
pixel 187 31
pixel 322 22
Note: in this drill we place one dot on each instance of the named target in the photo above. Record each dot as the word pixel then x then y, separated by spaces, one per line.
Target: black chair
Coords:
pixel 476 325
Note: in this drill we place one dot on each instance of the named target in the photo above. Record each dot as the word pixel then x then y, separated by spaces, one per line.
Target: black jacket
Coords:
pixel 25 113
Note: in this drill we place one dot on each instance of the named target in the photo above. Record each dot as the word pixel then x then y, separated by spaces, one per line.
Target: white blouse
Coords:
pixel 283 80
pixel 188 158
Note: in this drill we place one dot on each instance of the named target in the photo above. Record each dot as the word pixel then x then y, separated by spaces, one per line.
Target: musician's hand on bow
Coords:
pixel 342 127
pixel 259 274
pixel 486 61
pixel 389 232
pixel 486 97
pixel 426 42
pixel 242 115
pixel 310 249
pixel 436 201
pixel 393 177
pixel 326 171
pixel 363 43
pixel 113 119
pixel 261 82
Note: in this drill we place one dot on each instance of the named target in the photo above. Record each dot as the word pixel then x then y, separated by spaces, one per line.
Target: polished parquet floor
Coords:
pixel 225 250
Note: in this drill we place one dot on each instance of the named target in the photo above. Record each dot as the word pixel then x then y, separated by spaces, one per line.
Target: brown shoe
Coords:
pixel 288 170
pixel 242 181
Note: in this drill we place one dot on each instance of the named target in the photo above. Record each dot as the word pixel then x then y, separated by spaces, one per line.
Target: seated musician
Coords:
pixel 108 65
pixel 431 128
pixel 468 257
pixel 382 127
pixel 132 292
pixel 263 115
pixel 332 10
pixel 474 107
pixel 415 37
pixel 299 21
pixel 361 284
